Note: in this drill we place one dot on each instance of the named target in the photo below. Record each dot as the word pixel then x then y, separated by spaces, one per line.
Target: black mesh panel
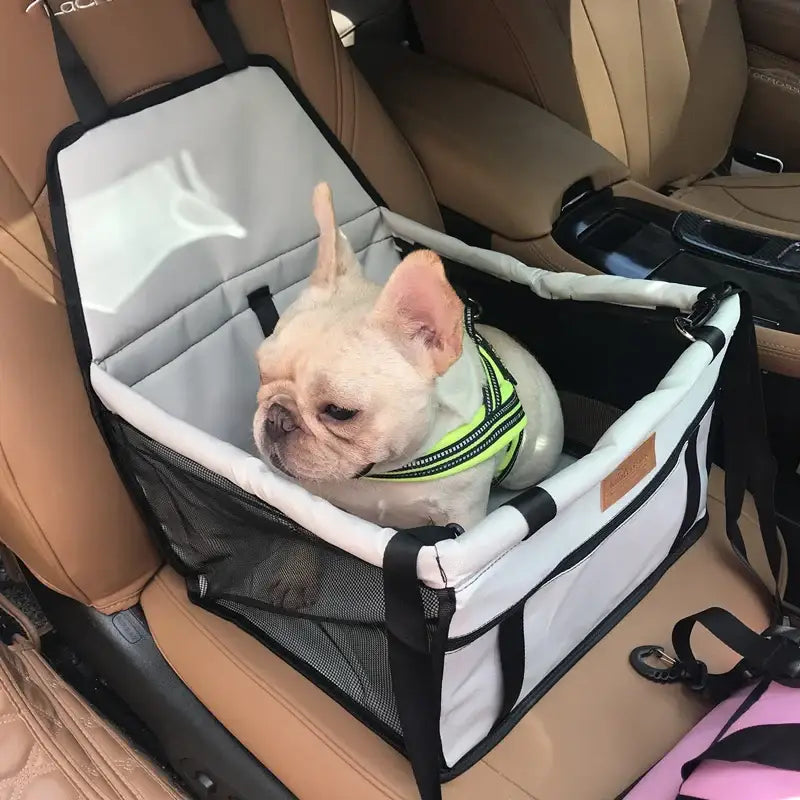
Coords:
pixel 319 607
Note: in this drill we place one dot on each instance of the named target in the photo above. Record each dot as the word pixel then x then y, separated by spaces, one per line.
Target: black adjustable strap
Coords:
pixel 222 31
pixel 511 644
pixel 772 655
pixel 775 746
pixel 86 97
pixel 263 307
pixel 747 458
pixel 416 688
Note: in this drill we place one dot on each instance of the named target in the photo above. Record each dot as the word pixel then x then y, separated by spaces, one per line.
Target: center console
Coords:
pixel 629 237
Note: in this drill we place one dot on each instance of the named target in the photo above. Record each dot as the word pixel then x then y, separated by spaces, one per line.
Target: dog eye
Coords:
pixel 340 414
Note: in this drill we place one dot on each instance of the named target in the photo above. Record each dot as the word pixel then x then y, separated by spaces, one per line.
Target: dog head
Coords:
pixel 348 375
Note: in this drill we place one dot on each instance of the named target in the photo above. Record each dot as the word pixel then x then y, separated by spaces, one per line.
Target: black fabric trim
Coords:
pixel 222 31
pixel 416 691
pixel 263 306
pixel 511 643
pixel 504 727
pixel 537 506
pixel 692 485
pixel 747 455
pixel 591 544
pixel 712 336
pixel 775 746
pixel 83 91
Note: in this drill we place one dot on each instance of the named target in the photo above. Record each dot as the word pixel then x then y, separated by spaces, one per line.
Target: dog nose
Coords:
pixel 279 421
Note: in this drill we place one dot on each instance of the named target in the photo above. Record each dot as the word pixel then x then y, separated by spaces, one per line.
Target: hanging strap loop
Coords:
pixel 746 454
pixel 86 97
pixel 416 689
pixel 222 30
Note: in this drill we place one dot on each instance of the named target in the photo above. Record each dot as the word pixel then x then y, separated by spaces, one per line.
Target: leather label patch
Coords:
pixel 635 467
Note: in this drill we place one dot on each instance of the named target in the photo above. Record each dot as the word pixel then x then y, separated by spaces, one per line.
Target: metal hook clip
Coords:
pixel 672 673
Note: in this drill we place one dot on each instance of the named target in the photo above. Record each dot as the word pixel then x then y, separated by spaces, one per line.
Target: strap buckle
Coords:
pixel 694 675
pixel 784 661
pixel 706 305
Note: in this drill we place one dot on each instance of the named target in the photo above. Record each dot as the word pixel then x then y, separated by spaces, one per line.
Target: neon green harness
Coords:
pixel 497 427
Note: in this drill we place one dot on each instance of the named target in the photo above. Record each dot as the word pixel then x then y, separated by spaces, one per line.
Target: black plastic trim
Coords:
pixel 121 649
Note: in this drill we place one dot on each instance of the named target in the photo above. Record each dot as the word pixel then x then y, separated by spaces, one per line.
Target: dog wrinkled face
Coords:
pixel 347 377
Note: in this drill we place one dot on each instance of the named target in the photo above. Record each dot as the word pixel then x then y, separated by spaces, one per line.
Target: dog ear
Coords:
pixel 335 257
pixel 419 306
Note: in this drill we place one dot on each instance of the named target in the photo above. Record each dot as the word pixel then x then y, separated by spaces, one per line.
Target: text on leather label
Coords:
pixel 635 467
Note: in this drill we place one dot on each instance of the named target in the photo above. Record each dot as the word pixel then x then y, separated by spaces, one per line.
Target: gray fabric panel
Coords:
pixel 168 204
pixel 207 312
pixel 178 213
pixel 213 383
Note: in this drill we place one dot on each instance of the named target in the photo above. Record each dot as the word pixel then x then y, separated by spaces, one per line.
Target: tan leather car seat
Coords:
pixel 54 745
pixel 62 508
pixel 659 84
pixel 64 512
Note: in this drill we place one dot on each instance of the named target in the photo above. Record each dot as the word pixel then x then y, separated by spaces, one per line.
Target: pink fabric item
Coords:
pixel 726 781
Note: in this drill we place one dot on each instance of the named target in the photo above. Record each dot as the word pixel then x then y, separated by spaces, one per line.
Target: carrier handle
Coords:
pixel 83 91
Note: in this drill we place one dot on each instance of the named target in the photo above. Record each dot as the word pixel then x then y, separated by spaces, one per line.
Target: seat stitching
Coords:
pixel 86 744
pixel 722 183
pixel 143 765
pixel 521 53
pixel 337 80
pixel 289 37
pixel 31 278
pixel 755 210
pixel 610 82
pixel 646 93
pixel 780 349
pixel 269 690
pixel 35 727
pixel 514 783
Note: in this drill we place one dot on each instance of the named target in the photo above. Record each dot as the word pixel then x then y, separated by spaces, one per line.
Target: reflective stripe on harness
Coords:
pixel 497 427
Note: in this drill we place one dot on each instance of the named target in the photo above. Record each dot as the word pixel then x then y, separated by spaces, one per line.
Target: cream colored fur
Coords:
pixel 397 356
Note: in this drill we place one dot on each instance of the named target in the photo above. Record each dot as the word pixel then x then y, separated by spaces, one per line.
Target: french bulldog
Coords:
pixel 359 379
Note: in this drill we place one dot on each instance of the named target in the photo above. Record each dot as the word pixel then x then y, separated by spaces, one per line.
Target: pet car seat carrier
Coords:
pixel 183 229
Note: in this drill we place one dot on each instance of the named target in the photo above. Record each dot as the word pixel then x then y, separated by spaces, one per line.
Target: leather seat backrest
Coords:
pixel 659 83
pixel 62 508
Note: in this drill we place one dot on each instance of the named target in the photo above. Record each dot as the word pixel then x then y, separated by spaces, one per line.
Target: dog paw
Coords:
pixel 293 593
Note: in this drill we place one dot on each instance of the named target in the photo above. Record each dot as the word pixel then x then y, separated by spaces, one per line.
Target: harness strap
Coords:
pixel 497 426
